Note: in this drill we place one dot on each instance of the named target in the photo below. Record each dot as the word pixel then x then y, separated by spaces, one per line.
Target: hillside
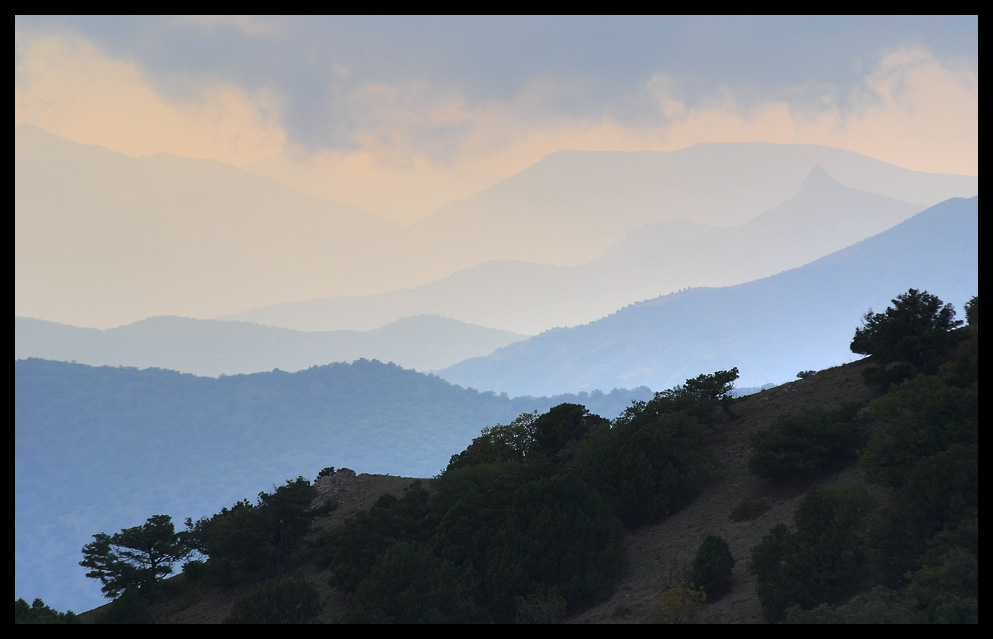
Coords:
pixel 214 347
pixel 655 554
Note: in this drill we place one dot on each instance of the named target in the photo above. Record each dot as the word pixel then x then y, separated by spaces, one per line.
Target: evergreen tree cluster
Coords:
pixel 526 524
pixel 922 550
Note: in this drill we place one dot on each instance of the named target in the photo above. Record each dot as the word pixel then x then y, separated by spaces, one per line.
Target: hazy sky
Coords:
pixel 429 109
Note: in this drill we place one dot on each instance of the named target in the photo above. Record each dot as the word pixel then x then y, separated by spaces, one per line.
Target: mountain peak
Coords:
pixel 818 178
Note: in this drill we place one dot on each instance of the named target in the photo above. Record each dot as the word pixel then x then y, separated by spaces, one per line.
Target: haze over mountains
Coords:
pixel 822 217
pixel 215 347
pixel 782 260
pixel 772 328
pixel 83 211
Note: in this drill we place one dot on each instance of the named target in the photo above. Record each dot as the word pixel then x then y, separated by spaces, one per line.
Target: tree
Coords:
pixel 39 613
pixel 713 566
pixel 562 424
pixel 916 330
pixel 134 557
pixel 706 397
pixel 821 561
pixel 511 442
pixel 248 536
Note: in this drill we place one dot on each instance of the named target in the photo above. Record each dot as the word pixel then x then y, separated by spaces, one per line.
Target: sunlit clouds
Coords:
pixel 68 87
pixel 415 140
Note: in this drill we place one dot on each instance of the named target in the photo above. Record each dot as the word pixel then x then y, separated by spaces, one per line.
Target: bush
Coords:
pixel 811 441
pixel 294 601
pixel 879 605
pixel 921 417
pixel 560 535
pixel 821 561
pixel 713 566
pixel 678 605
pixel 409 584
pixel 352 549
pixel 706 397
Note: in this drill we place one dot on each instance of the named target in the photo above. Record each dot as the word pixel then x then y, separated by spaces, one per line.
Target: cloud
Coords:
pixel 69 87
pixel 253 26
pixel 910 110
pixel 420 130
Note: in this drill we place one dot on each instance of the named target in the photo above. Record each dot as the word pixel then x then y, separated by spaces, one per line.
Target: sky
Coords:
pixel 414 112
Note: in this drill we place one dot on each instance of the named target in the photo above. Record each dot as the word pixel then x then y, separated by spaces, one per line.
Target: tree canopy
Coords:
pixel 915 330
pixel 134 557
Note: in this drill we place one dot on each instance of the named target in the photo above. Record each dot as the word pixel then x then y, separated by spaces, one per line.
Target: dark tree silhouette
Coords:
pixel 134 557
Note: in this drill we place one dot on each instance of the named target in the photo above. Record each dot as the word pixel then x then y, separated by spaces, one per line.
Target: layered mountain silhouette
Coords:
pixel 822 217
pixel 573 205
pixel 212 347
pixel 103 239
pixel 770 329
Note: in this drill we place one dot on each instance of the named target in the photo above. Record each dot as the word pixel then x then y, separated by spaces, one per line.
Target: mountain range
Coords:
pixel 769 328
pixel 81 212
pixel 526 297
pixel 788 247
pixel 214 347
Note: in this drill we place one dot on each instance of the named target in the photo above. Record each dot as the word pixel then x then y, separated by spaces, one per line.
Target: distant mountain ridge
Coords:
pixel 821 217
pixel 572 205
pixel 213 347
pixel 103 239
pixel 769 328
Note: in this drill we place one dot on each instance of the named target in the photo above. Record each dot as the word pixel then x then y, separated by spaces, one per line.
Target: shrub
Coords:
pixel 409 584
pixel 292 601
pixel 879 605
pixel 713 566
pixel 679 604
pixel 647 467
pixel 921 417
pixel 129 608
pixel 820 561
pixel 811 441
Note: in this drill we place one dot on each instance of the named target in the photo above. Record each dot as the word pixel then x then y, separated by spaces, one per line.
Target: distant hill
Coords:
pixel 103 239
pixel 203 239
pixel 213 347
pixel 572 205
pixel 770 328
pixel 101 448
pixel 822 217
